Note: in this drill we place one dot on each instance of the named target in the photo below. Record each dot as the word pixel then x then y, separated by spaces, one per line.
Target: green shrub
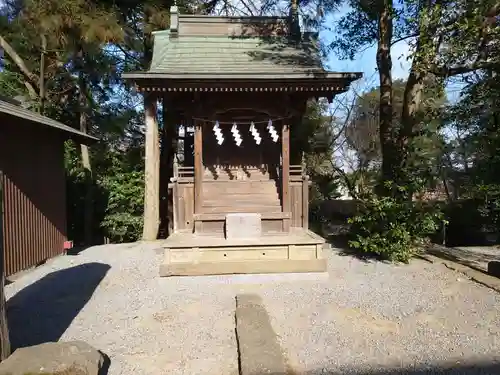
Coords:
pixel 392 229
pixel 123 218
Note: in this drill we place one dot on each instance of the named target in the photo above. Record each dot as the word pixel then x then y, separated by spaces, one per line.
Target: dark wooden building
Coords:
pixel 33 179
pixel 238 87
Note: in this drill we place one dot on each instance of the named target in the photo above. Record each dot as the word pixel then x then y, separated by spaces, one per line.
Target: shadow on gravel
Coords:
pixel 42 311
pixel 459 369
pixel 340 242
pixel 105 366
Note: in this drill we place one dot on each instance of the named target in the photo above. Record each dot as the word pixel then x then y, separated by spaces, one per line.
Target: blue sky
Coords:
pixel 365 62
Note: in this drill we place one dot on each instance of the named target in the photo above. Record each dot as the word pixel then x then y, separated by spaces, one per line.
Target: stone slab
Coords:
pixel 479 277
pixel 260 351
pixel 243 225
pixel 72 358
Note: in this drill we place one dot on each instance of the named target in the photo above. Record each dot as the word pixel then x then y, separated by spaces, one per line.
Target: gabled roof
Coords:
pixel 209 50
pixel 17 111
pixel 221 54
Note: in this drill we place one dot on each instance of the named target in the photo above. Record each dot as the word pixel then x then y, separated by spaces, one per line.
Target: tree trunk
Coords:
pixel 87 168
pixel 4 329
pixel 424 56
pixel 151 172
pixel 42 93
pixel 384 65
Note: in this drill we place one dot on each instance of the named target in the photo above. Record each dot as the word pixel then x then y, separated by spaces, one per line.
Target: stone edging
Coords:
pixel 475 275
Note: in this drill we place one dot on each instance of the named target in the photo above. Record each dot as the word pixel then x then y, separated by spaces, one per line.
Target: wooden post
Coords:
pixel 4 330
pixel 151 171
pixel 198 167
pixel 167 160
pixel 285 172
pixel 305 202
pixel 175 199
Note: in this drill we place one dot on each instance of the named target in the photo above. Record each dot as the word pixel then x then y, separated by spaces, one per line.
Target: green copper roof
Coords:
pixel 225 54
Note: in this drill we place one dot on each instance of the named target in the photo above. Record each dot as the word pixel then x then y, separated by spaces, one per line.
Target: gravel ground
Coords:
pixel 361 316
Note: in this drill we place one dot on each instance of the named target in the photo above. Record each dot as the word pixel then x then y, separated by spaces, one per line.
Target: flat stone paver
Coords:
pixel 359 317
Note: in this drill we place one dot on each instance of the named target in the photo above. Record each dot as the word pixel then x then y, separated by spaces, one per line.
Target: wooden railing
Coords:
pixel 184 174
pixel 182 186
pixel 299 190
pixel 296 173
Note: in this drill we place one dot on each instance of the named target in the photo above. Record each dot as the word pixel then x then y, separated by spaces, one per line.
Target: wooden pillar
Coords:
pixel 4 330
pixel 169 145
pixel 198 167
pixel 285 173
pixel 305 202
pixel 151 171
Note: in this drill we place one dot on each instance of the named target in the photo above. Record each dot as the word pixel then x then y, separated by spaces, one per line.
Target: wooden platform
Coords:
pixel 188 254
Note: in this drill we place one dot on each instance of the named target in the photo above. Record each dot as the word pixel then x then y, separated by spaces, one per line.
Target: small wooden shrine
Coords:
pixel 237 88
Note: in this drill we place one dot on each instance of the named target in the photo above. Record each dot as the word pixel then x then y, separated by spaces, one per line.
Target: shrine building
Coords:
pixel 237 89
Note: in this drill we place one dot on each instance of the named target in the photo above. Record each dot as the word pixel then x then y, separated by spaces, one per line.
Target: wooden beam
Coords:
pixel 285 172
pixel 198 167
pixel 151 171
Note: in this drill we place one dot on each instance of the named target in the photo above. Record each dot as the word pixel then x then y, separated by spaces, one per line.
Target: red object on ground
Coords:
pixel 68 245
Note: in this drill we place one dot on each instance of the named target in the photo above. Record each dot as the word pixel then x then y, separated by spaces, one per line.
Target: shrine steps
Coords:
pixel 190 254
pixel 238 207
pixel 222 216
pixel 241 196
pixel 239 187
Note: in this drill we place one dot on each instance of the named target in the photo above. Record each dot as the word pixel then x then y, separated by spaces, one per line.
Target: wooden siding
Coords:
pixel 34 217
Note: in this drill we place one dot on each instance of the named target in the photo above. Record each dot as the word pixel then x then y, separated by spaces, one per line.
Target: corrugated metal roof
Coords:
pixel 227 54
pixel 20 112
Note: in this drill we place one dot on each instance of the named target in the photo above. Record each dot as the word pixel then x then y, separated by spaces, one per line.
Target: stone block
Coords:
pixel 68 358
pixel 243 225
pixel 259 350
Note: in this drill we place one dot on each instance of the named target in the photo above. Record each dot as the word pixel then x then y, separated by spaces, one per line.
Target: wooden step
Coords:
pixel 241 194
pixel 225 197
pixel 242 203
pixel 219 216
pixel 231 178
pixel 234 209
pixel 240 184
